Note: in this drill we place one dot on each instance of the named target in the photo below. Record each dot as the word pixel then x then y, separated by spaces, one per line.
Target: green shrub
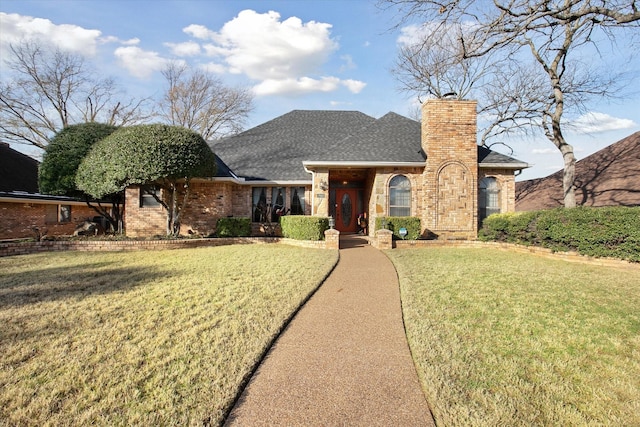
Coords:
pixel 302 227
pixel 601 232
pixel 395 223
pixel 233 227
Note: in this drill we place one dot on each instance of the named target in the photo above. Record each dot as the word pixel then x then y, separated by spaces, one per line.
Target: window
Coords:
pixel 278 205
pixel 55 214
pixel 488 197
pixel 399 196
pixel 64 213
pixel 147 199
pixel 259 204
pixel 297 201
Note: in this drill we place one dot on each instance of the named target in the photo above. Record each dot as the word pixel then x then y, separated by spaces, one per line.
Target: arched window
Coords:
pixel 488 197
pixel 399 196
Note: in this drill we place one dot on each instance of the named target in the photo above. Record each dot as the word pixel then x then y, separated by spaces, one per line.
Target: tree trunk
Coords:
pixel 568 176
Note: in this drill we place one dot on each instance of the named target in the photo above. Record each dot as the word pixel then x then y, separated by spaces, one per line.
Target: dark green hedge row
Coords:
pixel 301 227
pixel 395 223
pixel 600 232
pixel 233 227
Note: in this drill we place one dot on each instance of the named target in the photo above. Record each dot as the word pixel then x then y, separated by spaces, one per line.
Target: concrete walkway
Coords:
pixel 344 358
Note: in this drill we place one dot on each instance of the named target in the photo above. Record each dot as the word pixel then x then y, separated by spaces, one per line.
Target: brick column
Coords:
pixel 332 238
pixel 384 239
pixel 449 138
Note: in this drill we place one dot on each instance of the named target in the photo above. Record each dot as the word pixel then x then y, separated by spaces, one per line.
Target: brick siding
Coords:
pixel 20 219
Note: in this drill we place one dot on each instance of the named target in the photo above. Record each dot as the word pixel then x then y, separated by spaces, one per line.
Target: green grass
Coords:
pixel 143 337
pixel 518 340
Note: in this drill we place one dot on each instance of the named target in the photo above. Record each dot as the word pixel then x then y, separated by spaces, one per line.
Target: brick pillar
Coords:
pixel 384 239
pixel 449 136
pixel 332 238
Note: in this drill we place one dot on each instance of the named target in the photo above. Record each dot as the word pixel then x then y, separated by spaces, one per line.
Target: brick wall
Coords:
pixel 450 193
pixel 142 221
pixel 19 219
pixel 208 201
pixel 507 183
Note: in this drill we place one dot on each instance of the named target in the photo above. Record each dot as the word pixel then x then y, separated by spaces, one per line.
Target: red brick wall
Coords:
pixel 142 222
pixel 17 219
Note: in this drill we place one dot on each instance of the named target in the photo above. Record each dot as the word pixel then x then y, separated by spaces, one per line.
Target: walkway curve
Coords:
pixel 344 358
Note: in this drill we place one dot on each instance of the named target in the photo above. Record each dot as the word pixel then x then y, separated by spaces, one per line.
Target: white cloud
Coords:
pixel 263 47
pixel 284 56
pixel 184 49
pixel 138 62
pixel 213 67
pixel 354 86
pixel 298 86
pixel 17 28
pixel 594 122
pixel 199 32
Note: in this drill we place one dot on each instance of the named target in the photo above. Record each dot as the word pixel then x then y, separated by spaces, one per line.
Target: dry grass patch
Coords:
pixel 142 338
pixel 514 339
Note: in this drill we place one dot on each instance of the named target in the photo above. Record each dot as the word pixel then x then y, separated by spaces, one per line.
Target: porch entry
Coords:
pixel 345 206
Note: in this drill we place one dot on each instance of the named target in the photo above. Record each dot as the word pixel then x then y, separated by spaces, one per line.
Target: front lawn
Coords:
pixel 143 337
pixel 519 340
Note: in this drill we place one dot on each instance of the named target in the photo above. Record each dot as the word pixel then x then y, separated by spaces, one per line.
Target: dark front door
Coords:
pixel 346 209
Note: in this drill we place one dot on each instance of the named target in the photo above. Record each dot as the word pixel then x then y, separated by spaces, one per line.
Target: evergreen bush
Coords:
pixel 395 223
pixel 600 232
pixel 233 227
pixel 301 227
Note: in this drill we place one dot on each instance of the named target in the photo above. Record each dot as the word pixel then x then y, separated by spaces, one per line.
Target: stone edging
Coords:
pixel 23 248
pixel 545 252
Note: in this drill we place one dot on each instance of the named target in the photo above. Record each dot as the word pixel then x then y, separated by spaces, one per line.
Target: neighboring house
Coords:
pixel 609 177
pixel 24 212
pixel 342 163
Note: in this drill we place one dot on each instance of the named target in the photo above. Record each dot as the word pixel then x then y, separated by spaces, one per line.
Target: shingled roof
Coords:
pixel 609 177
pixel 276 150
pixel 18 172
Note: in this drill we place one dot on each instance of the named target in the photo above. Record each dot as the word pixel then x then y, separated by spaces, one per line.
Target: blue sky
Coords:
pixel 321 54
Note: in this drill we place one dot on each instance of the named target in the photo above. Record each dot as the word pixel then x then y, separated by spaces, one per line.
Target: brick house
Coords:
pixel 24 212
pixel 342 163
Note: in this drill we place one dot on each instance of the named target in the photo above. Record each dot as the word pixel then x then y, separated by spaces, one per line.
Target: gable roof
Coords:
pixel 609 177
pixel 18 172
pixel 279 149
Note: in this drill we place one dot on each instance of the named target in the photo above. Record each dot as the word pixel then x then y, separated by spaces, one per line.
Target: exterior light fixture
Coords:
pixel 332 222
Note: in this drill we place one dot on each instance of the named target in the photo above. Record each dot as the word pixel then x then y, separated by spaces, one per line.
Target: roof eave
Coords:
pixel 358 164
pixel 504 165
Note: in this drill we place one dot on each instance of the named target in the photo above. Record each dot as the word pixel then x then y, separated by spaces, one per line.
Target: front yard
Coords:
pixel 503 339
pixel 168 337
pixel 143 337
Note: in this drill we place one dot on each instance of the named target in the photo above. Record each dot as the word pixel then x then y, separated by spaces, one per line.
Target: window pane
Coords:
pixel 146 197
pixel 277 202
pixel 399 196
pixel 259 204
pixel 297 201
pixel 64 213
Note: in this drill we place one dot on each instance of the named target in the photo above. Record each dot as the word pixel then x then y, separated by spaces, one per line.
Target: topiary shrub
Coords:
pixel 233 227
pixel 395 223
pixel 302 227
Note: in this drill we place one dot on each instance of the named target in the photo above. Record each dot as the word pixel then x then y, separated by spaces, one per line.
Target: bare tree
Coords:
pixel 431 63
pixel 200 102
pixel 52 89
pixel 551 34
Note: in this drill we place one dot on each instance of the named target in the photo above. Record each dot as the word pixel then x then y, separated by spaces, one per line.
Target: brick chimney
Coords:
pixel 449 134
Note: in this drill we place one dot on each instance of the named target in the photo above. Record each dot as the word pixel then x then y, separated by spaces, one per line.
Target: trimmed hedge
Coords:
pixel 599 232
pixel 233 227
pixel 301 227
pixel 395 223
